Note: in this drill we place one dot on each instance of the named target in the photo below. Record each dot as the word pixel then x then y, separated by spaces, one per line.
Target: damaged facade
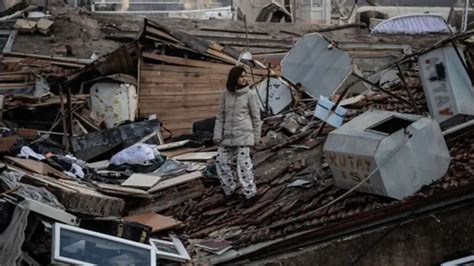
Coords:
pixel 107 155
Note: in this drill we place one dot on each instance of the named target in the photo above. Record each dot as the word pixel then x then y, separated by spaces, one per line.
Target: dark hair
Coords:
pixel 233 77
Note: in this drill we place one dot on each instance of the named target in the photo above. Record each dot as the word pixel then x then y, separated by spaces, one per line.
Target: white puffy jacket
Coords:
pixel 238 119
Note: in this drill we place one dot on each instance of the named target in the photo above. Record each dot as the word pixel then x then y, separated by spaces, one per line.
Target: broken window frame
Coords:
pixel 56 244
pixel 372 130
pixel 183 255
pixel 11 38
pixel 460 261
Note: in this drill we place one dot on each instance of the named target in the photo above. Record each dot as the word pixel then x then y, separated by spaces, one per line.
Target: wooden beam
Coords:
pixel 182 61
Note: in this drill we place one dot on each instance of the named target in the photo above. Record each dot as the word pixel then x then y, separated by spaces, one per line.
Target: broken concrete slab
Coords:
pixel 45 26
pixel 25 26
pixel 78 198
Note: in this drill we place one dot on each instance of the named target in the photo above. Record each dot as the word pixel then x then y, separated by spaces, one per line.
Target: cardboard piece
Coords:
pixel 155 221
pixel 38 167
pixel 6 143
pixel 196 156
pixel 175 181
pixel 141 181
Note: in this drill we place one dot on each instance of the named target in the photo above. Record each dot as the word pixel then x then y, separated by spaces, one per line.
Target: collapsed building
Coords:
pixel 107 155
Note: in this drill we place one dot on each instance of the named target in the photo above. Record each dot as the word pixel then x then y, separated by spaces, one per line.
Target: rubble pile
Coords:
pixel 292 182
pixel 388 103
pixel 101 155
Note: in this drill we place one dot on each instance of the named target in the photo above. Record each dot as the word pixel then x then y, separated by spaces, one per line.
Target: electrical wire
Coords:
pixel 389 156
pixel 406 137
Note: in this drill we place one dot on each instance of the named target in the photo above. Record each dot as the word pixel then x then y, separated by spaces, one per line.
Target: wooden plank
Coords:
pixel 162 34
pixel 182 124
pixel 78 198
pixel 143 181
pixel 175 181
pixel 196 156
pixel 190 80
pixel 222 56
pixel 175 74
pixel 118 190
pixel 184 69
pixel 155 221
pixel 181 86
pixel 172 104
pixel 37 167
pixel 224 69
pixel 233 30
pixel 178 92
pixel 235 35
pixel 172 145
pixel 178 112
pixel 204 99
pixel 185 102
pixel 16 85
pixel 182 61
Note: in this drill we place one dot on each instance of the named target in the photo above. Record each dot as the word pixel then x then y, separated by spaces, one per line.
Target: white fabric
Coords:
pixel 27 152
pixel 135 154
pixel 13 237
pixel 412 24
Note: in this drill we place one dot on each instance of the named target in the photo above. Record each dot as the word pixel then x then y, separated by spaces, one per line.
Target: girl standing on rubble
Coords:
pixel 237 129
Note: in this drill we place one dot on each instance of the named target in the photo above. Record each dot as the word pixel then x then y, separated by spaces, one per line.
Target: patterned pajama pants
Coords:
pixel 226 157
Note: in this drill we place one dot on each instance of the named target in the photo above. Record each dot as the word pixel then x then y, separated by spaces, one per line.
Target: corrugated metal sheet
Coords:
pixel 320 69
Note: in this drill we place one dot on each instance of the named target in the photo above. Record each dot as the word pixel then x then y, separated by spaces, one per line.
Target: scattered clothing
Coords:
pixel 27 152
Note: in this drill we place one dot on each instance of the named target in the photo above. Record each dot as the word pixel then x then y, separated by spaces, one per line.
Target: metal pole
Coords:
pixel 381 89
pixel 268 89
pixel 293 11
pixel 69 103
pixel 248 46
pixel 402 77
pixel 458 127
pixel 464 19
pixel 63 115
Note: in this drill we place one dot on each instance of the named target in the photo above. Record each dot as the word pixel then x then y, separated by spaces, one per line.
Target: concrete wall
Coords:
pixel 428 240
